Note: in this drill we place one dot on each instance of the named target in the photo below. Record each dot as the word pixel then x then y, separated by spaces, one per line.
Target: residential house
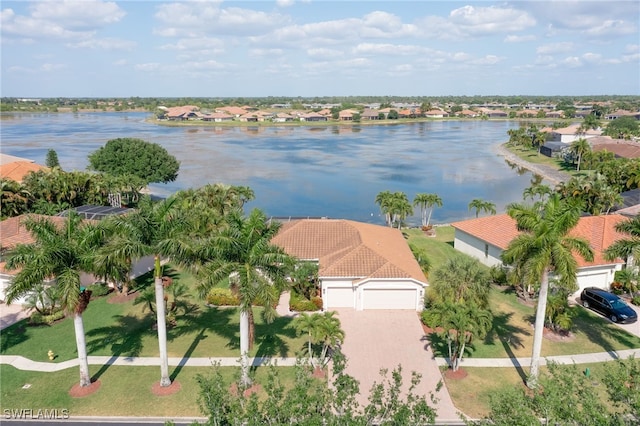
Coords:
pixel 249 117
pixel 468 113
pixel 217 117
pixel 313 116
pixel 18 170
pixel 347 114
pixel 494 113
pixel 571 133
pixel 282 117
pixel 233 111
pixel 181 113
pixel 370 114
pixel 486 238
pixel 621 148
pixel 436 113
pixel 13 233
pixel 361 266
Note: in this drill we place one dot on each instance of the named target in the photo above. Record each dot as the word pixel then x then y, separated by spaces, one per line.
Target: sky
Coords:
pixel 93 48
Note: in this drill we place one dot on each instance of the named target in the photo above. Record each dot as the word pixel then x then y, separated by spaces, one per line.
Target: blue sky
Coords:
pixel 307 48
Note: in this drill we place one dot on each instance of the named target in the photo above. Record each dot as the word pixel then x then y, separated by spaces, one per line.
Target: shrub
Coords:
pixel 617 287
pixel 300 304
pixel 37 318
pixel 99 289
pixel 428 318
pixel 498 275
pixel 222 297
pixel 317 300
pixel 635 300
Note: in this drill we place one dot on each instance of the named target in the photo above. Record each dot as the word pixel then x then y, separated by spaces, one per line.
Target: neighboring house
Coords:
pixel 361 266
pixel 234 111
pixel 436 113
pixel 486 238
pixel 570 134
pixel 282 117
pixel 371 114
pixel 313 116
pixel 494 113
pixel 621 148
pixel 217 117
pixel 17 170
pixel 468 113
pixel 13 232
pixel 182 113
pixel 630 203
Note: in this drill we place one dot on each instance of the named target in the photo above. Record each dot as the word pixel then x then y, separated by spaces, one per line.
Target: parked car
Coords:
pixel 608 304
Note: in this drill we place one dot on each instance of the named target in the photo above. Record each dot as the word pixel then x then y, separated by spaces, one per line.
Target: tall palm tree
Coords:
pixel 580 147
pixel 462 279
pixel 158 229
pixel 627 248
pixel 62 253
pixel 243 255
pixel 383 199
pixel 545 247
pixel 480 205
pixel 426 203
pixel 400 208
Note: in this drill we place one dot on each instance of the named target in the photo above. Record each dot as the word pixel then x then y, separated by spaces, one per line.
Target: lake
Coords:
pixel 334 171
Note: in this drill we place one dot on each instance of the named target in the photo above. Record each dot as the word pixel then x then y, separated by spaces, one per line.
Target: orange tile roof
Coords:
pixel 350 249
pixel 17 170
pixel 500 229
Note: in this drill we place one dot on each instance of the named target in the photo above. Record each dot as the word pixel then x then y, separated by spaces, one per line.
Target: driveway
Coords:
pixel 635 327
pixel 10 314
pixel 378 339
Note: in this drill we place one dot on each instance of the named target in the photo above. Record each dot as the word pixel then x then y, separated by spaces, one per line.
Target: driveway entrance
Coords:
pixel 385 339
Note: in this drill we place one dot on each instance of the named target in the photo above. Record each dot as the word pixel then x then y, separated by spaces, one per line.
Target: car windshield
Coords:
pixel 618 304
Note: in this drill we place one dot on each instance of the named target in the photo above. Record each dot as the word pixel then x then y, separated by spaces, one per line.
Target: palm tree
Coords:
pixel 461 323
pixel 62 253
pixel 383 199
pixel 544 247
pixel 243 255
pixel 579 148
pixel 14 198
pixel 462 279
pixel 481 205
pixel 158 229
pixel 421 200
pixel 400 208
pixel 308 324
pixel 329 333
pixel 627 248
pixel 426 203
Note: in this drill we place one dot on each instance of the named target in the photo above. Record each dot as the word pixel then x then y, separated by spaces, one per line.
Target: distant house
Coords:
pixel 182 113
pixel 233 111
pixel 217 117
pixel 313 116
pixel 571 133
pixel 493 113
pixel 282 118
pixel 436 113
pixel 630 204
pixel 249 117
pixel 486 238
pixel 361 266
pixel 468 113
pixel 347 114
pixel 370 114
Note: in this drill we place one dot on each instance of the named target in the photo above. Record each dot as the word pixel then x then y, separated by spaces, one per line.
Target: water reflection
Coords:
pixel 333 171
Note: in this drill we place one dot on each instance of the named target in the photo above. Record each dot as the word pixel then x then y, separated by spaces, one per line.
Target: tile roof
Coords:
pixel 6 158
pixel 17 170
pixel 350 249
pixel 500 229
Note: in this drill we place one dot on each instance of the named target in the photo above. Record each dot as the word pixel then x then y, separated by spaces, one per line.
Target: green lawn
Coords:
pixel 127 330
pixel 124 391
pixel 512 334
pixel 439 248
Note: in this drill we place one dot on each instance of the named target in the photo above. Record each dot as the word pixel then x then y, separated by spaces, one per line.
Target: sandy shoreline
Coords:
pixel 549 174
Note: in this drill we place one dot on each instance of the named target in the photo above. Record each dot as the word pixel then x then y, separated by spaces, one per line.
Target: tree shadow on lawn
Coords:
pixel 509 336
pixel 14 335
pixel 269 338
pixel 123 338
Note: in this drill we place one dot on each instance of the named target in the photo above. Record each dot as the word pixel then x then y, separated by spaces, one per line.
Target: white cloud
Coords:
pixel 572 62
pixel 632 48
pixel 52 67
pixel 488 60
pixel 199 18
pixel 120 62
pixel 266 52
pixel 388 49
pixel 555 48
pixel 490 20
pixel 285 3
pixel 151 66
pixel 199 43
pixel 324 53
pixel 75 14
pixel 105 43
pixel 611 28
pixel 519 39
pixel 593 58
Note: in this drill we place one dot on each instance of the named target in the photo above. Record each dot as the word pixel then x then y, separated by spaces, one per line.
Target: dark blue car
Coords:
pixel 608 304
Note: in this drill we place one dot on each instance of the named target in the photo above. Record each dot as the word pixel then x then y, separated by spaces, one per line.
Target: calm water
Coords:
pixel 299 171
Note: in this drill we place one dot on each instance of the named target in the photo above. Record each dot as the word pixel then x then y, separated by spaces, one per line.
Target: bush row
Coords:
pixel 37 318
pixel 298 303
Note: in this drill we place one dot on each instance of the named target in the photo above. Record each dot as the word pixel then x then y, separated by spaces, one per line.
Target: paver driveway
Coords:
pixel 378 339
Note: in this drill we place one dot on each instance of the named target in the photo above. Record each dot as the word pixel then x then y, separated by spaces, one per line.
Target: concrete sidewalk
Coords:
pixel 22 363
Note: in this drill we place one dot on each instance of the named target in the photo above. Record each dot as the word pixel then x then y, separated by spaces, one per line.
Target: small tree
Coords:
pixel 481 205
pixel 52 159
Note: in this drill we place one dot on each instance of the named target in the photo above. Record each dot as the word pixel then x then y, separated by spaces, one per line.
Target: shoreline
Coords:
pixel 548 173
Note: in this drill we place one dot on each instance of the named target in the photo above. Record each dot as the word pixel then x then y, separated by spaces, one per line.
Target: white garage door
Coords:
pixel 339 297
pixel 593 280
pixel 389 299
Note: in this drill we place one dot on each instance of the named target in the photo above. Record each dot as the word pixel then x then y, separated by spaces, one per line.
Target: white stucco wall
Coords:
pixel 475 247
